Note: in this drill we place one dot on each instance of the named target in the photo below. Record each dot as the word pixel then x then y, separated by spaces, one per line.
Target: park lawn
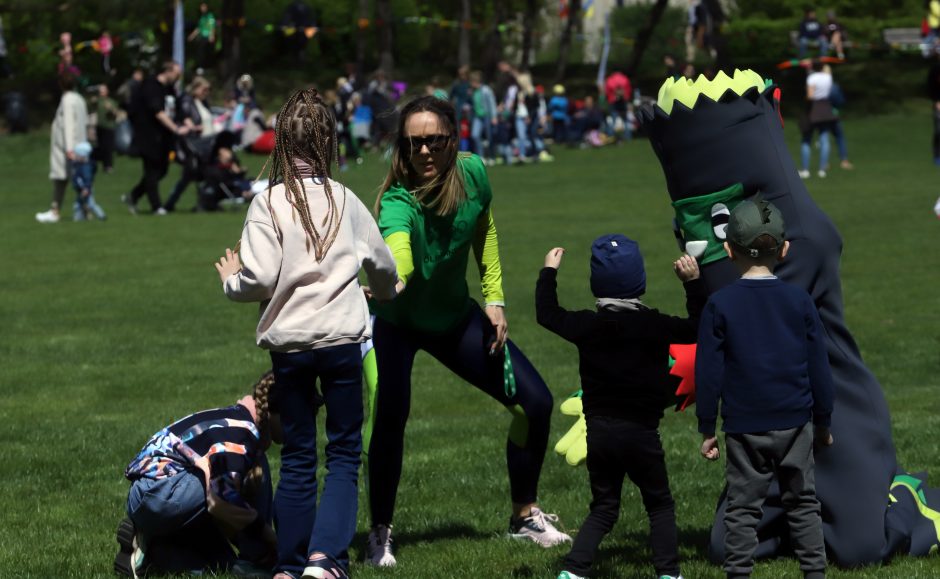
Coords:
pixel 112 330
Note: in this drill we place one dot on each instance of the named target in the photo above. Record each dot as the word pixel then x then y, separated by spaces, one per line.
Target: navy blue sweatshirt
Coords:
pixel 762 352
pixel 624 356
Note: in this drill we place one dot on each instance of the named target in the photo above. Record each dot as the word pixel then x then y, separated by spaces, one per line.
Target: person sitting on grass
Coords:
pixel 762 353
pixel 199 484
pixel 623 349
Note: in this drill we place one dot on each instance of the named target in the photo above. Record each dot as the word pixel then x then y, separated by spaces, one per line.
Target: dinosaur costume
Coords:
pixel 720 142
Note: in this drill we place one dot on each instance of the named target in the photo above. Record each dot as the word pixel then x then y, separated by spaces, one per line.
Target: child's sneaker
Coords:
pixel 670 577
pixel 130 560
pixel 537 527
pixel 569 575
pixel 322 567
pixel 379 547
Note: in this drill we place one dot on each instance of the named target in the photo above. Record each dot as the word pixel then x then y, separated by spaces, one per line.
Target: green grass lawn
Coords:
pixel 112 330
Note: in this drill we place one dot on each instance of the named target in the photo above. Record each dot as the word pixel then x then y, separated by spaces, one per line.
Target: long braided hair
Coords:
pixel 261 392
pixel 305 142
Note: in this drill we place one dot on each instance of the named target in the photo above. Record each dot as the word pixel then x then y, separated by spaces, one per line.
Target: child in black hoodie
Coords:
pixel 624 365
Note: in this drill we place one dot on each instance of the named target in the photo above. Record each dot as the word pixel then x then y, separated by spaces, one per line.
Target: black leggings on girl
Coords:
pixel 464 351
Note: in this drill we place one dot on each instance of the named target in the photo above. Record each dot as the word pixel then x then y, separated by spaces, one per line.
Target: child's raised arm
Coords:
pixel 686 268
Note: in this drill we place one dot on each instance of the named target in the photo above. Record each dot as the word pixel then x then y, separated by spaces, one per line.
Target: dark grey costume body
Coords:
pixel 740 140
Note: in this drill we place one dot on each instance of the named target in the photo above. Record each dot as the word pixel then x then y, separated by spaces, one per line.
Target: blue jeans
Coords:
pixel 302 528
pixel 481 131
pixel 163 506
pixel 87 203
pixel 806 148
pixel 522 136
pixel 823 45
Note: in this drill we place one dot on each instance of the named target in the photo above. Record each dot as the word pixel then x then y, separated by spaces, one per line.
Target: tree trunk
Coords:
pixel 362 36
pixel 233 11
pixel 722 57
pixel 564 45
pixel 494 41
pixel 463 49
pixel 384 22
pixel 528 30
pixel 644 35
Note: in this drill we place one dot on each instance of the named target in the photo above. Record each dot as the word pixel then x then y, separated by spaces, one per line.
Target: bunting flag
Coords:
pixel 588 9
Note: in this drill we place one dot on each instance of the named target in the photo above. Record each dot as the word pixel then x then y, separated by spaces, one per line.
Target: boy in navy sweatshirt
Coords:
pixel 623 349
pixel 761 352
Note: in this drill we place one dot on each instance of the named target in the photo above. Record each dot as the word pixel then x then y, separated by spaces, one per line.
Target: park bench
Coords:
pixel 902 38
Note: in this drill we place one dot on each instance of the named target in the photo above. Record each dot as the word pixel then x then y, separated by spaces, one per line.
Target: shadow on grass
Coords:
pixel 633 549
pixel 430 534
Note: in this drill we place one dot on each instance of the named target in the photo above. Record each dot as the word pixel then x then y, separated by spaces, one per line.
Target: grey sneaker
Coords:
pixel 379 547
pixel 538 527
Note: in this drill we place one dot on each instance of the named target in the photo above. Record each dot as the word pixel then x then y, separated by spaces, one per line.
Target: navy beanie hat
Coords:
pixel 617 268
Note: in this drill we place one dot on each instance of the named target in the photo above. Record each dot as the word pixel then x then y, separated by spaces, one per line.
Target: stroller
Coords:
pixel 199 156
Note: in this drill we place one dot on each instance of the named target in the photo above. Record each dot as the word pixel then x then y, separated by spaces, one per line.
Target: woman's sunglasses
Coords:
pixel 434 143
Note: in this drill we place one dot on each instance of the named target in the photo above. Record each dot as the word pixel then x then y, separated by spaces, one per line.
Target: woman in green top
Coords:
pixel 435 206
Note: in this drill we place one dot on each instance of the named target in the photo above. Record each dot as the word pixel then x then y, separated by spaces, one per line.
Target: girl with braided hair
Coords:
pixel 199 486
pixel 304 241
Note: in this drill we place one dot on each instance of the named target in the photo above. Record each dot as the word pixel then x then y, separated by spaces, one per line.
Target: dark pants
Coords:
pixel 155 169
pixel 464 351
pixel 559 130
pixel 104 152
pixel 302 528
pixel 188 176
pixel 619 448
pixel 936 134
pixel 753 461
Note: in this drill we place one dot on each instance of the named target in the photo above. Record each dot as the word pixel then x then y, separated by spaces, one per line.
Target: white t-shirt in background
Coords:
pixel 821 83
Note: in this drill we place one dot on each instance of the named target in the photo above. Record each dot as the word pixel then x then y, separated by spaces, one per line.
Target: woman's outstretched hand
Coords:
pixel 498 318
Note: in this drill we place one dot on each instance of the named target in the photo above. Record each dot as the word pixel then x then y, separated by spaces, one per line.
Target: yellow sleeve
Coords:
pixel 400 244
pixel 486 252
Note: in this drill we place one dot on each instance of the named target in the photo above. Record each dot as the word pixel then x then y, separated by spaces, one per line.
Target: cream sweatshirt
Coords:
pixel 306 304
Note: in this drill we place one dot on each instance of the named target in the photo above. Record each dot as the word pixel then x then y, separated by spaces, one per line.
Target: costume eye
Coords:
pixel 720 216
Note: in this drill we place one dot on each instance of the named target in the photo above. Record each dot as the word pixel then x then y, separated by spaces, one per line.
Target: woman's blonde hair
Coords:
pixel 305 134
pixel 445 192
pixel 196 83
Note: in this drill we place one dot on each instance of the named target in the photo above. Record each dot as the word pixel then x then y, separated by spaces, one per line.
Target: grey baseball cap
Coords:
pixel 751 219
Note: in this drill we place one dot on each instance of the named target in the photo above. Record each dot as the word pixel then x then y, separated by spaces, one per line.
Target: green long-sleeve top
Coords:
pixel 432 253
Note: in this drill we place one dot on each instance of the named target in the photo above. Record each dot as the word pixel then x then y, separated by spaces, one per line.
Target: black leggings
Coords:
pixel 464 351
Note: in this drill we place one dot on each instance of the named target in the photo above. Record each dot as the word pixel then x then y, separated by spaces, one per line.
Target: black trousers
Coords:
pixel 155 169
pixel 619 448
pixel 105 150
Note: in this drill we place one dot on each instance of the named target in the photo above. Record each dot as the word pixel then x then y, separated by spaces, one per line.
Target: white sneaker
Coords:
pixel 539 528
pixel 379 547
pixel 804 174
pixel 569 575
pixel 160 211
pixel 822 174
pixel 49 216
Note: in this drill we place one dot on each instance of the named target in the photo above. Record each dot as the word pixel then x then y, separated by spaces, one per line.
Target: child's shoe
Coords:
pixel 537 527
pixel 546 157
pixel 320 566
pixel 379 547
pixel 670 577
pixel 130 560
pixel 569 575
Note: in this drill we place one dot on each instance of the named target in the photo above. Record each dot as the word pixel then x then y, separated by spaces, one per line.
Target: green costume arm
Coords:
pixel 486 252
pixel 400 244
pixel 573 445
